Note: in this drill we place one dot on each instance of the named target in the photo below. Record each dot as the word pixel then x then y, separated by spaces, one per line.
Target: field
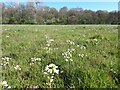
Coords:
pixel 59 56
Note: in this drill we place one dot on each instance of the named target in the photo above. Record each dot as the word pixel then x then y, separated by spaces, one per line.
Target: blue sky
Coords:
pixel 109 6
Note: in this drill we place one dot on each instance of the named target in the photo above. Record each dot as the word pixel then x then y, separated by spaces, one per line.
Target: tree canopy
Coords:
pixel 35 13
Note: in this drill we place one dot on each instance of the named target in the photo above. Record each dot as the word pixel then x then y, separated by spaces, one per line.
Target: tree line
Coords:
pixel 36 13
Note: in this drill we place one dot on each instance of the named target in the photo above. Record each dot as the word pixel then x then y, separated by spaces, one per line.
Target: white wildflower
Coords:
pixel 82 47
pixel 68 55
pixel 45 73
pixel 51 80
pixel 71 59
pixel 9 87
pixel 50 71
pixel 52 68
pixel 7 36
pixel 17 67
pixel 66 59
pixel 4 83
pixel 95 39
pixel 78 45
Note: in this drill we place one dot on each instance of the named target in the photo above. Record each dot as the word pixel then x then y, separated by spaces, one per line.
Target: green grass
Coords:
pixel 95 58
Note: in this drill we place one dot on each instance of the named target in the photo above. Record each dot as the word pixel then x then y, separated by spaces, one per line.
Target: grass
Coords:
pixel 86 56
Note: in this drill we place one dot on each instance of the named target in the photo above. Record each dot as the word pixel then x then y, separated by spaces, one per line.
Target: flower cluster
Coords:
pixel 52 68
pixel 17 67
pixel 50 71
pixel 33 60
pixel 112 70
pixel 70 42
pixel 82 55
pixel 5 84
pixel 49 41
pixel 68 54
pixel 5 61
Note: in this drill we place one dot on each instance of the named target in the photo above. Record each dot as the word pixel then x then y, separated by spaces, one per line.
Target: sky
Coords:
pixel 109 6
pixel 89 4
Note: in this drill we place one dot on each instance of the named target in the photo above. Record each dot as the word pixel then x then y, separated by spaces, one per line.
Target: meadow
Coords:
pixel 60 56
